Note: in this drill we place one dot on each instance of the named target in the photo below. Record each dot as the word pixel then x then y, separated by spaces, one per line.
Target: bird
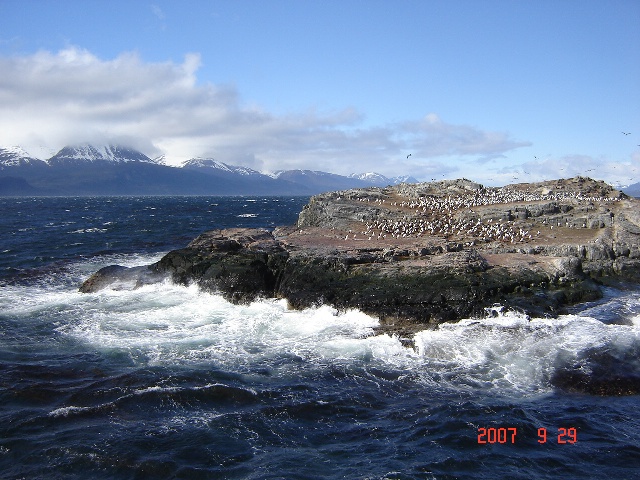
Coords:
pixel 408 155
pixel 626 133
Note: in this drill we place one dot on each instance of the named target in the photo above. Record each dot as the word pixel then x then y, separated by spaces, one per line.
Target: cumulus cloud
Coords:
pixel 54 99
pixel 431 137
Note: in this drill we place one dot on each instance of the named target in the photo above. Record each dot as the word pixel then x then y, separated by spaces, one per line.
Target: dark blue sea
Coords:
pixel 167 382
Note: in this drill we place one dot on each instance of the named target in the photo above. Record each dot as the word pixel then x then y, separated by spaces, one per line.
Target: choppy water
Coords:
pixel 169 382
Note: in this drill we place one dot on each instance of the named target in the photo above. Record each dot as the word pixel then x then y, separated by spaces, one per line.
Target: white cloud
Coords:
pixel 617 173
pixel 432 137
pixel 157 11
pixel 53 99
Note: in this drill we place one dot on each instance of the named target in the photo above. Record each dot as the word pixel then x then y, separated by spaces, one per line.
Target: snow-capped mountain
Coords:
pixel 303 173
pixel 632 190
pixel 104 153
pixel 372 178
pixel 210 163
pixel 403 179
pixel 379 180
pixel 16 157
pixel 318 181
pixel 160 160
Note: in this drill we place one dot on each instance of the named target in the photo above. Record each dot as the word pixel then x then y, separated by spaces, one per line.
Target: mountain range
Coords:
pixel 120 170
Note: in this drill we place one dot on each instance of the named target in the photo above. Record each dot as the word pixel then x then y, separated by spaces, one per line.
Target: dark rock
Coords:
pixel 241 264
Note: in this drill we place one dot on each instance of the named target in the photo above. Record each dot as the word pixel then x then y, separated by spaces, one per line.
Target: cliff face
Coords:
pixel 423 253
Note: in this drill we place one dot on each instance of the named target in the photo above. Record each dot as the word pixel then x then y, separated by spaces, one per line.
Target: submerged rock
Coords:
pixel 604 373
pixel 118 277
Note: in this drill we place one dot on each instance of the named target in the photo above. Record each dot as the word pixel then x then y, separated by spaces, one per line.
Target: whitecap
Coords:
pixel 515 353
pixel 70 410
pixel 90 230
pixel 156 389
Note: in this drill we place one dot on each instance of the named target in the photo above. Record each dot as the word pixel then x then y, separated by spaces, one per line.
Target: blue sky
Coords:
pixel 496 91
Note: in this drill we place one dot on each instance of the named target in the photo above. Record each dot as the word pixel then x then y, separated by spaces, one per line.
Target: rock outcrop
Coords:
pixel 241 264
pixel 421 254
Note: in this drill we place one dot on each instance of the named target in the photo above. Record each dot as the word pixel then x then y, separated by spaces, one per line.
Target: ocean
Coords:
pixel 168 382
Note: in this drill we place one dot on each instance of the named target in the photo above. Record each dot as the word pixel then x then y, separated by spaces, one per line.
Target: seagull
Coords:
pixel 626 133
pixel 408 155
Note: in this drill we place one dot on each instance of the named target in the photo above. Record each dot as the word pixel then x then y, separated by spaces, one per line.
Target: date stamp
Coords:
pixel 502 435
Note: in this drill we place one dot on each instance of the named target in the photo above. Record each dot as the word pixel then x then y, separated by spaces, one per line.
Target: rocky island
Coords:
pixel 416 255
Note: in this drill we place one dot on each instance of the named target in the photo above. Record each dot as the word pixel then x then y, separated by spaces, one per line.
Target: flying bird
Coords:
pixel 626 133
pixel 408 155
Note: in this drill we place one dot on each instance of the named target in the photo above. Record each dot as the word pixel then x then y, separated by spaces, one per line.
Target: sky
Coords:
pixel 497 91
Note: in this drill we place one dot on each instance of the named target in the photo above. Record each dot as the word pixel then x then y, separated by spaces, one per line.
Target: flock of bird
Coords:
pixel 452 217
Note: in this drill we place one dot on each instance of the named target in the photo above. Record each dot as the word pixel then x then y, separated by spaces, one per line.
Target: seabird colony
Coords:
pixel 436 216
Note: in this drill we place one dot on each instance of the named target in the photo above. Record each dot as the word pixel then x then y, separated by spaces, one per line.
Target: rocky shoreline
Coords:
pixel 416 255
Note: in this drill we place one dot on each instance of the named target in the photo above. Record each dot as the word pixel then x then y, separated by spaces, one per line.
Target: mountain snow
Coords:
pixel 160 160
pixel 372 178
pixel 403 179
pixel 214 164
pixel 93 153
pixel 380 180
pixel 15 157
pixel 315 173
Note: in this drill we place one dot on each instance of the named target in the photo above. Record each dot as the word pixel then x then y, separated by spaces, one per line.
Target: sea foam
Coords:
pixel 168 324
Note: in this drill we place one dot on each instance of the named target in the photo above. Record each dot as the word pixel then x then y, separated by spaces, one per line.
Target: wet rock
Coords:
pixel 241 264
pixel 118 277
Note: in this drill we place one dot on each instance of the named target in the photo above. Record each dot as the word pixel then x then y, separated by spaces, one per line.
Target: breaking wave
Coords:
pixel 506 353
